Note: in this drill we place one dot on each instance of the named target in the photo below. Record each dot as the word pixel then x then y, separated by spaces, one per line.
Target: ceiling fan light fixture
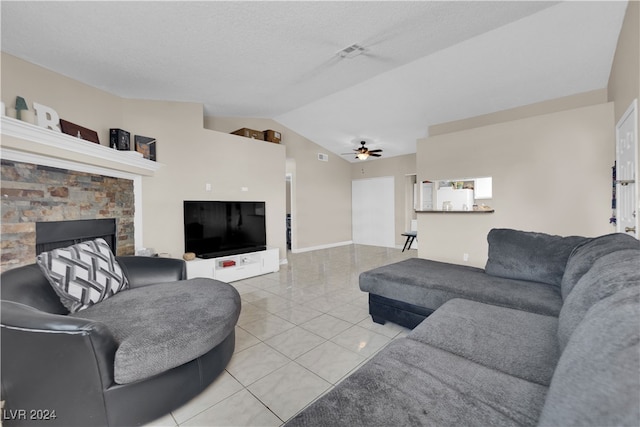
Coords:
pixel 363 153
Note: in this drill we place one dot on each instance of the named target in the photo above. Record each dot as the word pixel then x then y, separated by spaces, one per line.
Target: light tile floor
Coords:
pixel 301 330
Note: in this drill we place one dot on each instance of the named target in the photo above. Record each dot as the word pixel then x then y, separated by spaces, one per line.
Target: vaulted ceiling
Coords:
pixel 423 63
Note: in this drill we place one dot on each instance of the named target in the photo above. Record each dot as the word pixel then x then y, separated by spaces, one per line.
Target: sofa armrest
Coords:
pixel 55 361
pixel 143 271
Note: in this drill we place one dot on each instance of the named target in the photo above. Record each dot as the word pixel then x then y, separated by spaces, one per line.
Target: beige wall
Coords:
pixel 192 156
pixel 551 173
pixel 564 103
pixel 624 80
pixel 72 100
pixel 399 167
pixel 321 199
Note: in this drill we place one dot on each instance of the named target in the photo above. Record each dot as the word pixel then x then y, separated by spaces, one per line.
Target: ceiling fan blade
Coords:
pixel 375 155
pixel 375 151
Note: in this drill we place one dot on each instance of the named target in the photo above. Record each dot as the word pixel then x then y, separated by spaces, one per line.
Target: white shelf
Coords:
pixel 245 265
pixel 49 143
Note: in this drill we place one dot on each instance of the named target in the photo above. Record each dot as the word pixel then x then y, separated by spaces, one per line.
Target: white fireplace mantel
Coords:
pixel 34 140
pixel 24 142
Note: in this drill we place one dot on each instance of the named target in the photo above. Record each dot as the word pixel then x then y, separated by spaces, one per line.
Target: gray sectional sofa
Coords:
pixel 547 334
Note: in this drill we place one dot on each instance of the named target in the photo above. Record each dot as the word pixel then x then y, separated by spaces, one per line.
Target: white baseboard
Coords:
pixel 328 246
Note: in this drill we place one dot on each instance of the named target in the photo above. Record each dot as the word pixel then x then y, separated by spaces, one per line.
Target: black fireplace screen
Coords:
pixel 60 234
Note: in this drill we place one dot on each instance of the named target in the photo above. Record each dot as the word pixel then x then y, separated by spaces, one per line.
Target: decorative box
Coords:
pixel 250 133
pixel 119 139
pixel 272 136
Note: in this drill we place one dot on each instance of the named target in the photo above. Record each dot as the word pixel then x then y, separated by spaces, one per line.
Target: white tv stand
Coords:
pixel 235 267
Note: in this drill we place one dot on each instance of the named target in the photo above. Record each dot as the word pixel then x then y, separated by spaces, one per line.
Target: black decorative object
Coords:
pixel 79 131
pixel 613 220
pixel 147 146
pixel 119 139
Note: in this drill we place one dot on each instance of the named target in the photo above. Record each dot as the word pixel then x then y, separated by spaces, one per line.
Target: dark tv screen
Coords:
pixel 220 228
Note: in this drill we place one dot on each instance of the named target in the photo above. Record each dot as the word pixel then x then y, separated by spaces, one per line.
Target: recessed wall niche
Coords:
pixel 34 193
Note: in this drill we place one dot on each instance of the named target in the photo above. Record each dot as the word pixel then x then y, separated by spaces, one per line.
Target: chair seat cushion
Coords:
pixel 159 327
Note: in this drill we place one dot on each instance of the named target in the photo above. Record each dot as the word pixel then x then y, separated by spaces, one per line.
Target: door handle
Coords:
pixel 630 230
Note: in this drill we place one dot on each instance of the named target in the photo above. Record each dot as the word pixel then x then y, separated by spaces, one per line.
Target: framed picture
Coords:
pixel 146 146
pixel 79 131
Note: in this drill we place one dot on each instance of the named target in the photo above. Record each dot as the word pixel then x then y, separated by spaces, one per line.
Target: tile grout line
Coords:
pixel 337 286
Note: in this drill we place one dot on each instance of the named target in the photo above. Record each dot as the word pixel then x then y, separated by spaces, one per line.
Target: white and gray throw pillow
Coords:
pixel 83 274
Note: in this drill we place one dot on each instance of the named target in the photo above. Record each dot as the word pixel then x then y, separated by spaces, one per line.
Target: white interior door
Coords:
pixel 627 172
pixel 373 211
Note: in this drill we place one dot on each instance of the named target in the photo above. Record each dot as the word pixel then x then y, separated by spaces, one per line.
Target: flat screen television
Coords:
pixel 219 228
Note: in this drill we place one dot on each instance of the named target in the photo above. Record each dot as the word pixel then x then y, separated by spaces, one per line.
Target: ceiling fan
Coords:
pixel 363 152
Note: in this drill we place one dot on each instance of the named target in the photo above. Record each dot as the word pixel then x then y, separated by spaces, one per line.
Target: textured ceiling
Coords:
pixel 425 62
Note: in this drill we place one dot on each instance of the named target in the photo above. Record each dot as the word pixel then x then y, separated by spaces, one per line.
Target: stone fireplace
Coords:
pixel 34 194
pixel 51 176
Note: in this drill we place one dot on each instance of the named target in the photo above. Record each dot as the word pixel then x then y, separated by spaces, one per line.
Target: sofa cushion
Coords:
pixel 608 275
pixel 430 284
pixel 83 274
pixel 525 255
pixel 596 382
pixel 584 255
pixel 409 383
pixel 159 327
pixel 512 341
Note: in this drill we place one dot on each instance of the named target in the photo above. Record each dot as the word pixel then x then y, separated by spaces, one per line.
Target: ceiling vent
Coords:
pixel 323 157
pixel 351 51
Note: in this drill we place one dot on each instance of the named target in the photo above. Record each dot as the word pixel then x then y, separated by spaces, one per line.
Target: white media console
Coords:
pixel 235 267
